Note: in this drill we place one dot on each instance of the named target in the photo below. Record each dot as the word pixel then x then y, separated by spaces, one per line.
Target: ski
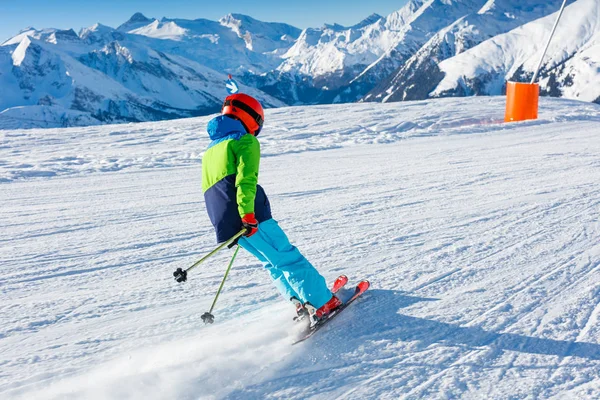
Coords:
pixel 338 285
pixel 311 330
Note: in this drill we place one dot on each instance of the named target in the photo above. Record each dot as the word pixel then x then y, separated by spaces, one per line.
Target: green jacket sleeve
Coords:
pixel 248 160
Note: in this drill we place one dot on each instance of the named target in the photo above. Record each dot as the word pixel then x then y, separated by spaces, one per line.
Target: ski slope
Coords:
pixel 480 239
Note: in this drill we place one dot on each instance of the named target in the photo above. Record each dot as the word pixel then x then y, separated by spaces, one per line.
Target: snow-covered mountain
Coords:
pixel 145 70
pixel 341 64
pixel 151 69
pixel 503 41
pixel 570 69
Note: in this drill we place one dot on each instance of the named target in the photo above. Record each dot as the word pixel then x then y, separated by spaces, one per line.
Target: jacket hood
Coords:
pixel 223 126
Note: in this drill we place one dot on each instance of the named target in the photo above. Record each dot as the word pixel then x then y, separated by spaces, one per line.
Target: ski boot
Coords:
pixel 304 310
pixel 322 313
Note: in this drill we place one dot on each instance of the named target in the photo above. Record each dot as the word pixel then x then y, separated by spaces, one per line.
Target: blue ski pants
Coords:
pixel 292 274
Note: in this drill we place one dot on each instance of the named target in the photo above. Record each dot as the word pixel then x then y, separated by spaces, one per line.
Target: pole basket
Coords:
pixel 521 101
pixel 208 318
pixel 180 275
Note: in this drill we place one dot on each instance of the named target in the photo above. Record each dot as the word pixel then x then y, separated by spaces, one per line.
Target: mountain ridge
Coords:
pixel 151 69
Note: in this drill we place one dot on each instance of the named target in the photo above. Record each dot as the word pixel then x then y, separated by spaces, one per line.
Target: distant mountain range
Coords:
pixel 150 69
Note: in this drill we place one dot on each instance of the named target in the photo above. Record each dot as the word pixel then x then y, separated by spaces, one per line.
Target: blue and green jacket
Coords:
pixel 230 177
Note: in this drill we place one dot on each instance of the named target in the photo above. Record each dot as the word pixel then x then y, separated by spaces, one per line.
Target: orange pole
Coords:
pixel 521 101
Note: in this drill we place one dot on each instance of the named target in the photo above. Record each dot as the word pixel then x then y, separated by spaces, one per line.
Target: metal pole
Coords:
pixel 225 277
pixel 207 317
pixel 562 8
pixel 181 274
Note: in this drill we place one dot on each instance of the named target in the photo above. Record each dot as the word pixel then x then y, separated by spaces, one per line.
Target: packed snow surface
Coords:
pixel 480 239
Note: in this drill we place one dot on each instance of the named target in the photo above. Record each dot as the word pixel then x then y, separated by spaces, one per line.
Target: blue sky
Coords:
pixel 16 15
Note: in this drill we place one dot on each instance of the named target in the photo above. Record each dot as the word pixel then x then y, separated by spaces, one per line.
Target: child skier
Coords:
pixel 235 200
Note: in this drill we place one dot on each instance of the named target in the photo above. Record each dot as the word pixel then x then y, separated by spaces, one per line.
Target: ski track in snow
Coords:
pixel 480 240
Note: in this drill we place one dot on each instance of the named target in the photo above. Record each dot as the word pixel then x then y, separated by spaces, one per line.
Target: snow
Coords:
pixel 30 33
pixel 261 37
pixel 480 240
pixel 44 117
pixel 19 53
pixel 167 30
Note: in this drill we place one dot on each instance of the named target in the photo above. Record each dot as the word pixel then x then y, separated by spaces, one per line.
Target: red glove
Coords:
pixel 250 223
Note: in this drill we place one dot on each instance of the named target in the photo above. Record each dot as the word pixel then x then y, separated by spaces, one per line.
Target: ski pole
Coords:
pixel 207 317
pixel 181 274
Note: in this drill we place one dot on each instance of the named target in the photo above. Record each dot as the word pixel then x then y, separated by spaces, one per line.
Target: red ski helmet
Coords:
pixel 246 109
